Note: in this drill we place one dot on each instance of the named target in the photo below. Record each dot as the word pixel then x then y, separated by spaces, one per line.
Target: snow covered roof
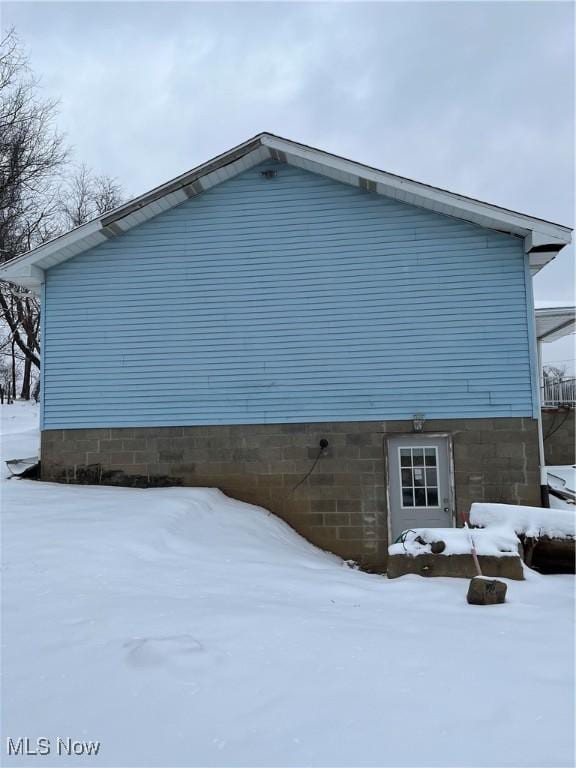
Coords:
pixel 554 321
pixel 543 239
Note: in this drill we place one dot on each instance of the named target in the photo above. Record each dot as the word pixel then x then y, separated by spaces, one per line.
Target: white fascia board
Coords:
pixel 36 273
pixel 427 196
pixel 52 247
pixel 28 276
pixel 553 323
pixel 28 270
pixel 539 259
pixel 560 313
pixel 93 233
pixel 544 236
pixel 537 238
pixel 172 190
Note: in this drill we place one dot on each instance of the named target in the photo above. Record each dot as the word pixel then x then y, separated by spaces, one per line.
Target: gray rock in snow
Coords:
pixel 483 591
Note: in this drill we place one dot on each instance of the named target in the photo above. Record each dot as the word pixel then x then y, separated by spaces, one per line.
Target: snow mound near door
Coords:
pixel 533 522
pixel 492 542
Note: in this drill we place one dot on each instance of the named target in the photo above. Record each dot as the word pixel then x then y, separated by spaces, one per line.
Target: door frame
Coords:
pixel 451 486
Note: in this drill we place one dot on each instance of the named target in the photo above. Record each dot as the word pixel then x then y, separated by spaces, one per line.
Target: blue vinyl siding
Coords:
pixel 289 299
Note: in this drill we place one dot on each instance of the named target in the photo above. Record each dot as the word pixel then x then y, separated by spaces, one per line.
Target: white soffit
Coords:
pixel 542 238
pixel 553 323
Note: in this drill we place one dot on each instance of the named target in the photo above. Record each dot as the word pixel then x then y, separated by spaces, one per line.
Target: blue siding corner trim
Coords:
pixel 42 350
pixel 288 299
pixel 532 342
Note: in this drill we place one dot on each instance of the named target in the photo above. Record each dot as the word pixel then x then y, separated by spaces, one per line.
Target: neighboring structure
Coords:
pixel 553 322
pixel 559 435
pixel 557 396
pixel 215 330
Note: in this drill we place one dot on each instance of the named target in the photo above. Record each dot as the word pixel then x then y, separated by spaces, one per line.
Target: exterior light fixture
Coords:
pixel 418 422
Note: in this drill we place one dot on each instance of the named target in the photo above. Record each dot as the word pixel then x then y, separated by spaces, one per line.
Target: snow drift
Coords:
pixel 179 627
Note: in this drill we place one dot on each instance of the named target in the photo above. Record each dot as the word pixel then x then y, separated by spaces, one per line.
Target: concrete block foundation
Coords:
pixel 455 566
pixel 558 427
pixel 341 507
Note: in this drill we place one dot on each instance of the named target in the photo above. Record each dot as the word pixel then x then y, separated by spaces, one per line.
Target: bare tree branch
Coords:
pixel 37 199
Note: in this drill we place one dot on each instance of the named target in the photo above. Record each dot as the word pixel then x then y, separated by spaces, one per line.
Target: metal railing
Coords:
pixel 557 392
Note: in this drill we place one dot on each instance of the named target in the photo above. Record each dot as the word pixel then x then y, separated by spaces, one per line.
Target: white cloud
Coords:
pixel 474 97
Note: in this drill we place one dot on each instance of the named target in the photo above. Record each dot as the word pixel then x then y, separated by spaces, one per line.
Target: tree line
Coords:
pixel 44 192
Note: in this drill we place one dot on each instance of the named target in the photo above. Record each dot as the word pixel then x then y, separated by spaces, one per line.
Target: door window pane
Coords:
pixel 432 497
pixel 407 477
pixel 418 457
pixel 420 497
pixel 419 476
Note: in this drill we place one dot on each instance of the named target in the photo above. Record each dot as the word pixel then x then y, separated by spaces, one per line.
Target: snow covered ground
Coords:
pixel 181 628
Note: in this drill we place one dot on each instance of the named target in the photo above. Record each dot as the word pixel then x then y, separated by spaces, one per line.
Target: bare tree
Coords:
pixel 37 201
pixel 107 194
pixel 554 372
pixel 21 312
pixel 32 156
pixel 86 195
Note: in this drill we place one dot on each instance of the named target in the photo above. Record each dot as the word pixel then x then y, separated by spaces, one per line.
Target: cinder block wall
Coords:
pixel 341 507
pixel 559 436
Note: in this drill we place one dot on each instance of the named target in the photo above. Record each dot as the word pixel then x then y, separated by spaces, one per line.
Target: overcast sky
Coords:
pixel 474 97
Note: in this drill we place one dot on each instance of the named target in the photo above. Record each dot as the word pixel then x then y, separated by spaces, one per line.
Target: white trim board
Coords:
pixel 542 239
pixel 553 323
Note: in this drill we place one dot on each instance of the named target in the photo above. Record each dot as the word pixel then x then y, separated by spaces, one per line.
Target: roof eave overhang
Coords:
pixel 553 323
pixel 542 239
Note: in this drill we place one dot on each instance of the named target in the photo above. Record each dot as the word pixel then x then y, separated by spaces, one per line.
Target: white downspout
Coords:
pixel 537 374
pixel 544 495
